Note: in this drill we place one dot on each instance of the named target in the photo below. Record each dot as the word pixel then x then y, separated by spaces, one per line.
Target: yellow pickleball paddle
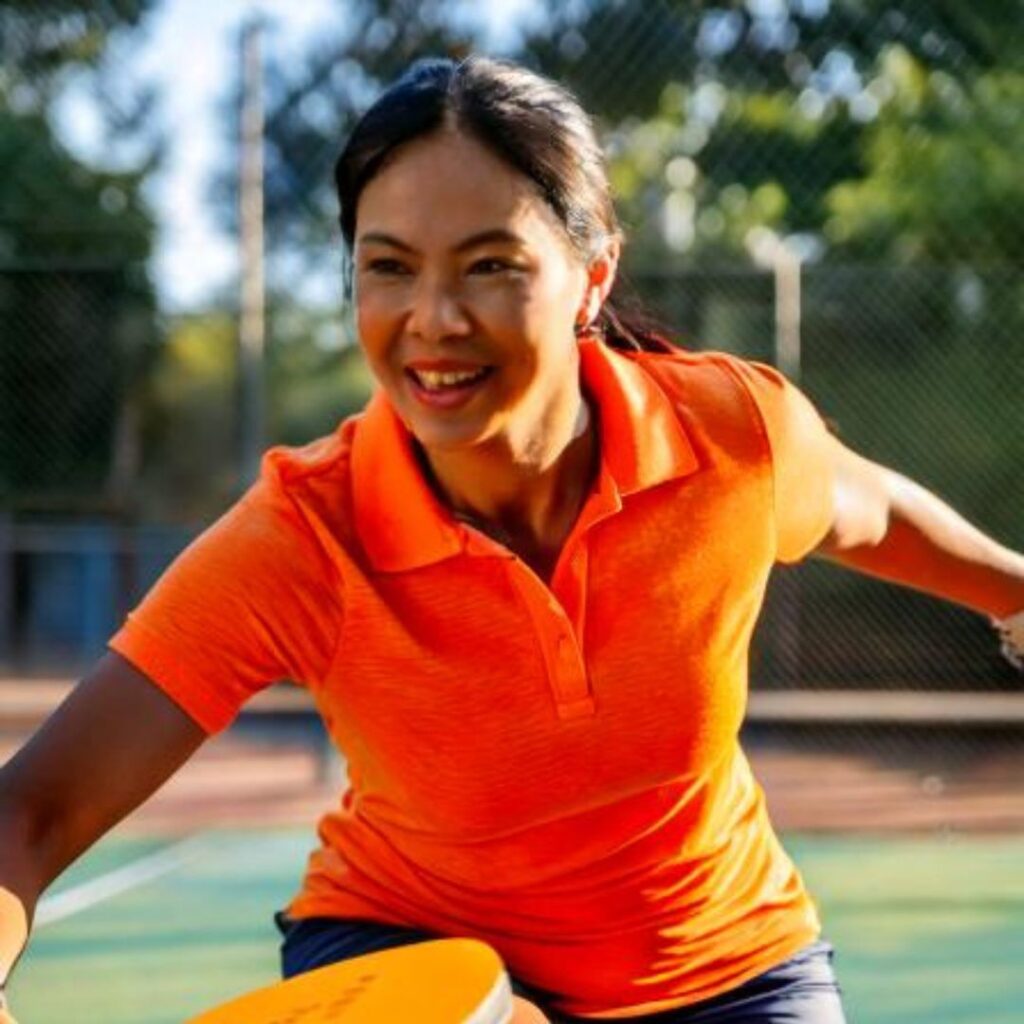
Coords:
pixel 444 981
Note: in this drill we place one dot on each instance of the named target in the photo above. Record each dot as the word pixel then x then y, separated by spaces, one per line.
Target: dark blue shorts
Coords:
pixel 802 990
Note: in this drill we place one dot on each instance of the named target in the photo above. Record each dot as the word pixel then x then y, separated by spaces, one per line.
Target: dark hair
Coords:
pixel 531 122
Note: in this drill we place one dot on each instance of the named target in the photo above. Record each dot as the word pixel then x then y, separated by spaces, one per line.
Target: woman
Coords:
pixel 521 587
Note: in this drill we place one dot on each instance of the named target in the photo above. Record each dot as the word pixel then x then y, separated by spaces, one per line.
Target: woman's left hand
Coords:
pixel 1011 632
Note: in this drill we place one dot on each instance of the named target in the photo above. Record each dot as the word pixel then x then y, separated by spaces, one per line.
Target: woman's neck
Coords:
pixel 530 496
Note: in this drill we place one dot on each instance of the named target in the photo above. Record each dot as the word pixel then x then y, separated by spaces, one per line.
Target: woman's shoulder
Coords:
pixel 305 491
pixel 712 387
pixel 707 369
pixel 295 466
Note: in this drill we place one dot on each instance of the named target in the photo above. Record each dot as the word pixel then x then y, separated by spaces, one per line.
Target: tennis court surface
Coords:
pixel 915 856
pixel 928 929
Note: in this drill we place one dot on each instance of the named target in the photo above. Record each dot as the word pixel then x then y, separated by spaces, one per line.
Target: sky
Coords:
pixel 189 49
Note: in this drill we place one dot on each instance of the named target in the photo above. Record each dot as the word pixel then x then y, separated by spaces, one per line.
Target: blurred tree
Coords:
pixel 311 105
pixel 315 377
pixel 722 116
pixel 76 304
pixel 317 374
pixel 718 116
pixel 190 432
pixel 761 45
pixel 942 169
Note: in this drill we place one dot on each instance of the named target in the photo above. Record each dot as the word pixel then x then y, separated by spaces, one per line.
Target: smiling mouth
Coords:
pixel 441 381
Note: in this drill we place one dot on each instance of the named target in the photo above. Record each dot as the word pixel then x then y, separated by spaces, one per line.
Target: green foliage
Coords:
pixel 314 380
pixel 942 164
pixel 45 41
pixel 313 385
pixel 55 209
pixel 849 120
pixel 190 433
pixel 76 304
pixel 885 129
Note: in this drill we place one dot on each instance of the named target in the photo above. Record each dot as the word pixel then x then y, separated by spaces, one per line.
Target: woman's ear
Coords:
pixel 600 278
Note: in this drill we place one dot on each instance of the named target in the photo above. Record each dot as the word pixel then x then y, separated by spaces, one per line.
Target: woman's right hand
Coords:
pixel 5 1011
pixel 524 1012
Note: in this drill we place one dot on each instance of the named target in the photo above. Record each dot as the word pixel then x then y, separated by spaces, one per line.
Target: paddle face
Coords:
pixel 447 981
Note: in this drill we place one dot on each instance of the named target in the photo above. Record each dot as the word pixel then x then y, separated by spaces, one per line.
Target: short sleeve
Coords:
pixel 803 460
pixel 252 600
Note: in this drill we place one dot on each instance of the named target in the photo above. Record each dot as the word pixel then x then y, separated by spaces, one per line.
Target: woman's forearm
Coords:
pixel 925 544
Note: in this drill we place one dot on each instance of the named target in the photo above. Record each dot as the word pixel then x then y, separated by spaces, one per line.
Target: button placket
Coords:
pixel 565 662
pixel 567 673
pixel 574 585
pixel 561 640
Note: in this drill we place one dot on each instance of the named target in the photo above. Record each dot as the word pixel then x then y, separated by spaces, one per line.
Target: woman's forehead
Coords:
pixel 449 187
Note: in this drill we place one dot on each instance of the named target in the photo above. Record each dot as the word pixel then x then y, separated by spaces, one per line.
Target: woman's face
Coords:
pixel 467 292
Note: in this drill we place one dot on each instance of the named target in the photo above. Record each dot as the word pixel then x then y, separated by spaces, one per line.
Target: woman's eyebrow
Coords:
pixel 479 238
pixel 491 235
pixel 380 238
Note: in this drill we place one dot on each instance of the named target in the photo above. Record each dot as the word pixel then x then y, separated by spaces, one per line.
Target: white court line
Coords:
pixel 79 897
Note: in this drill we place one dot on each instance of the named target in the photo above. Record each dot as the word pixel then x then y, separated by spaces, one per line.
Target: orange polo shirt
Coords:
pixel 553 769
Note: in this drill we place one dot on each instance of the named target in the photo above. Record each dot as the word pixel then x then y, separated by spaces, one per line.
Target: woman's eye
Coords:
pixel 385 267
pixel 490 266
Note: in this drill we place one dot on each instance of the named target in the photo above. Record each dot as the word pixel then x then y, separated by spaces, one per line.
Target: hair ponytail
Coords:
pixel 626 324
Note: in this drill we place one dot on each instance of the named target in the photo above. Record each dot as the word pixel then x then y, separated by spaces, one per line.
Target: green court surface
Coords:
pixel 927 930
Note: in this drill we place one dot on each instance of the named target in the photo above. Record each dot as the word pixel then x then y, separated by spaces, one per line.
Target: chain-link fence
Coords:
pixel 880 141
pixel 910 371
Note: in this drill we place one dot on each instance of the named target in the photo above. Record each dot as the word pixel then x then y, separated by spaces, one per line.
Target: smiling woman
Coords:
pixel 467 321
pixel 470 320
pixel 522 586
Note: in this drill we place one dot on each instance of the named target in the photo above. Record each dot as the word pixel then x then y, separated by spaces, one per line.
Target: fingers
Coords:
pixel 1011 632
pixel 525 1012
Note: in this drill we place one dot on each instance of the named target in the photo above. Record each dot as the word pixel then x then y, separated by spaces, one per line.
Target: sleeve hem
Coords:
pixel 784 553
pixel 819 534
pixel 761 425
pixel 161 666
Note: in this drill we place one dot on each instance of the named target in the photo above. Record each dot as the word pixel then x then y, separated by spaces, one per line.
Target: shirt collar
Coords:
pixel 403 525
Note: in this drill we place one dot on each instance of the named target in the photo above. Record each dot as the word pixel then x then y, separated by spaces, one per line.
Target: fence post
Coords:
pixel 6 590
pixel 252 326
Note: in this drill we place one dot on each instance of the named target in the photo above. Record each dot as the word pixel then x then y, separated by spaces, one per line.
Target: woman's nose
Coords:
pixel 436 310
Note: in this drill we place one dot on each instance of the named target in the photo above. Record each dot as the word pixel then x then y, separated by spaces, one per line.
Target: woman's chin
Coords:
pixel 454 437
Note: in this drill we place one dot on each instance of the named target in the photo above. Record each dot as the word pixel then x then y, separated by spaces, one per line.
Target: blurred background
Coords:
pixel 832 186
pixel 876 145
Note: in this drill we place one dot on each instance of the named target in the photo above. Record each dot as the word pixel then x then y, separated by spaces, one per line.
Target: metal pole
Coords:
pixel 786 270
pixel 787 273
pixel 252 326
pixel 8 612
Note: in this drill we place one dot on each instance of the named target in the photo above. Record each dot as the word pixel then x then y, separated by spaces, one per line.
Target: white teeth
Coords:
pixel 443 379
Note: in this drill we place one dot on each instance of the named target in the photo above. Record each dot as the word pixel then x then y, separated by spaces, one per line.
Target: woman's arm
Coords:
pixel 110 745
pixel 889 526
